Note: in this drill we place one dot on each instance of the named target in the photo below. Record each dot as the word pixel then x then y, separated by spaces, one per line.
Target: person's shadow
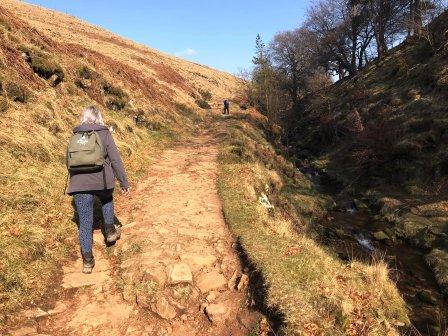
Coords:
pixel 98 220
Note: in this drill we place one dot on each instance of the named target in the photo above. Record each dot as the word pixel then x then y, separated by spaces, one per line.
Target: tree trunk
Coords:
pixel 417 17
pixel 381 45
pixel 354 38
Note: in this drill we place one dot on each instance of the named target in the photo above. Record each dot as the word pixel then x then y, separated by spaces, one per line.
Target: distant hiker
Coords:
pixel 93 162
pixel 226 107
pixel 135 119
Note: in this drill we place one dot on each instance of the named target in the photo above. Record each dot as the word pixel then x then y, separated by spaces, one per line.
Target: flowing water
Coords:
pixel 349 232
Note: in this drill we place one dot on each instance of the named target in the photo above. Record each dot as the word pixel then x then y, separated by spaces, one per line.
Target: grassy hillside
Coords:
pixel 271 207
pixel 52 66
pixel 384 135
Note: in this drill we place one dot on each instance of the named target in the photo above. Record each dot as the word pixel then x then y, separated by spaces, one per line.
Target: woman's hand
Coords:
pixel 126 191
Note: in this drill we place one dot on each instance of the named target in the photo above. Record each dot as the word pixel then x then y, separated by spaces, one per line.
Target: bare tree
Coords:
pixel 294 56
pixel 342 28
pixel 387 18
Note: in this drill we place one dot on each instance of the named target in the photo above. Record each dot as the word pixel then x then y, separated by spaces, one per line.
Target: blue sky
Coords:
pixel 220 34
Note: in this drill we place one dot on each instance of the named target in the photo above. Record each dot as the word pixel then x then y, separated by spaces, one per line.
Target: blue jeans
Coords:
pixel 84 207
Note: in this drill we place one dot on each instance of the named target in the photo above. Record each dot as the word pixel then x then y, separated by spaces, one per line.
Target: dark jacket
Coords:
pixel 113 166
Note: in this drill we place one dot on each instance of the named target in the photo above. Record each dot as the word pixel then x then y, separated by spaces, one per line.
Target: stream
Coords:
pixel 349 232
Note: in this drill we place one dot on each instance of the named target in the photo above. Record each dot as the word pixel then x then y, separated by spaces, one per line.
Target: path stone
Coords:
pixel 35 313
pixel 216 312
pixel 172 239
pixel 232 282
pixel 197 261
pixel 164 309
pixel 76 280
pixel 24 331
pixel 244 281
pixel 210 281
pixel 180 273
pixel 211 296
pixel 60 307
pixel 158 273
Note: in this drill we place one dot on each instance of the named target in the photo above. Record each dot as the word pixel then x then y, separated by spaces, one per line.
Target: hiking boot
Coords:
pixel 88 262
pixel 111 233
pixel 118 229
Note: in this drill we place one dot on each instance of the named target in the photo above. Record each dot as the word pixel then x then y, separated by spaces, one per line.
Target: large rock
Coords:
pixel 211 281
pixel 164 309
pixel 411 226
pixel 388 205
pixel 180 273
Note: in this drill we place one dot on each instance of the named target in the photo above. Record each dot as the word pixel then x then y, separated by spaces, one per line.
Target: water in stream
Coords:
pixel 349 233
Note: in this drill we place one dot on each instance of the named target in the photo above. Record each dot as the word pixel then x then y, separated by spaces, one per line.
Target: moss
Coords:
pixel 16 92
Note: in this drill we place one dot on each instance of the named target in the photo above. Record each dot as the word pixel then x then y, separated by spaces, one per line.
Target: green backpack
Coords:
pixel 85 153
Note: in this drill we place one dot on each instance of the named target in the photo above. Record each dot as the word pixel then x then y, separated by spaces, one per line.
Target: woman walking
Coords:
pixel 88 181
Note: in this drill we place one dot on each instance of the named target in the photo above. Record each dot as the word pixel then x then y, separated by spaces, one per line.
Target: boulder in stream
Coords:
pixel 380 236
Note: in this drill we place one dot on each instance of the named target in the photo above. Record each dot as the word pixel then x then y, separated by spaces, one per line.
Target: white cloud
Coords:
pixel 186 52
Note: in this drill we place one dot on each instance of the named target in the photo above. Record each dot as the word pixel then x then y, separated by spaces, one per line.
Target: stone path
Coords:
pixel 174 272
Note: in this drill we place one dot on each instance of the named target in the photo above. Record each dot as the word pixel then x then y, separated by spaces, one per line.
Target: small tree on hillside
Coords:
pixel 262 76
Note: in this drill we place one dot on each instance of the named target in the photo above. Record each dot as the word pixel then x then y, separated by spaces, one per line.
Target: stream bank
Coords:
pixel 355 231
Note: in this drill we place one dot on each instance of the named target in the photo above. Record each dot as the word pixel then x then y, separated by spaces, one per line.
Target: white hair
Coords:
pixel 91 115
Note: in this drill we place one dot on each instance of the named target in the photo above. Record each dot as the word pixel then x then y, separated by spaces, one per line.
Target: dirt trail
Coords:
pixel 174 272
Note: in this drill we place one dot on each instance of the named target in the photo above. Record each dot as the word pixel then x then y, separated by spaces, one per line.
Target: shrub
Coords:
pixel 5 24
pixel 203 104
pixel 3 104
pixel 42 65
pixel 82 84
pixel 116 103
pixel 118 99
pixel 206 95
pixel 16 92
pixel 85 73
pixel 46 69
pixel 113 90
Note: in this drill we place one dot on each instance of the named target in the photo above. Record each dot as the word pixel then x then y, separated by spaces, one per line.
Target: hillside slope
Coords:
pixel 383 135
pixel 51 66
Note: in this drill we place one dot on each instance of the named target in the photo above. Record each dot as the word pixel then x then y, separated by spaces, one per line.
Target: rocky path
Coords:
pixel 174 272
